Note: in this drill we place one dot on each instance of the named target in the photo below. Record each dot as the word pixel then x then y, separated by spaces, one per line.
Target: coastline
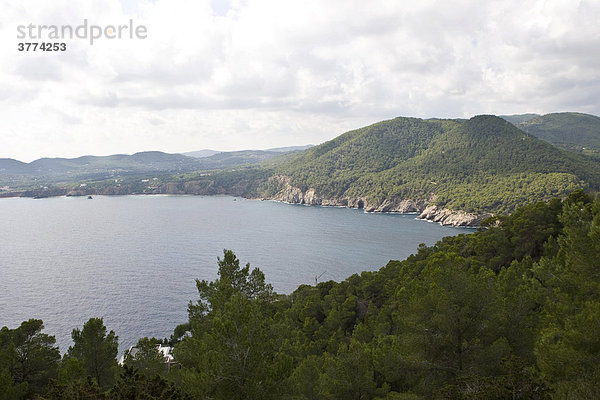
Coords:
pixel 422 209
pixel 429 213
pixel 426 209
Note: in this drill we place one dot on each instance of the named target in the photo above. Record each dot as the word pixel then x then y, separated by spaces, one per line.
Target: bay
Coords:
pixel 133 260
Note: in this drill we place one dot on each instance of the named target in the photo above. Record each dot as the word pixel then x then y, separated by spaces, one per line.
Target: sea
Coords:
pixel 134 260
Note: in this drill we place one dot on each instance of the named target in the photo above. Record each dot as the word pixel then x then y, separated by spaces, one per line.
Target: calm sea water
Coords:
pixel 133 259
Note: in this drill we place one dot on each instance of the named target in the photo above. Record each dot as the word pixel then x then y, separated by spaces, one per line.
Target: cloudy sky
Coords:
pixel 242 74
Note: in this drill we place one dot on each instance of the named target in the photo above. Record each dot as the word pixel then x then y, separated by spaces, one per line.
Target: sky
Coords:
pixel 256 74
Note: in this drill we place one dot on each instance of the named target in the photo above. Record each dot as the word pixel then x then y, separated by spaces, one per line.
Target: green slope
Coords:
pixel 570 130
pixel 484 164
pixel 481 165
pixel 519 118
pixel 14 173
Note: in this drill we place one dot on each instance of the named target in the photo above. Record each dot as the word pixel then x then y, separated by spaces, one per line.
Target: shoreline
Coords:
pixel 408 213
pixel 423 209
pixel 431 213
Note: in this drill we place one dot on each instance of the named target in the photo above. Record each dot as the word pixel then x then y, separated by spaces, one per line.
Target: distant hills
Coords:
pixel 451 171
pixel 53 170
pixel 569 130
pixel 289 149
pixel 227 159
pixel 274 151
pixel 201 153
pixel 10 166
pixel 518 118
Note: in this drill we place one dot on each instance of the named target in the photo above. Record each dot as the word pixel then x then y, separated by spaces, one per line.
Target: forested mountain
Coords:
pixel 569 130
pixel 483 164
pixel 208 152
pixel 508 312
pixel 288 149
pixel 232 158
pixel 53 170
pixel 99 165
pixel 201 153
pixel 450 171
pixel 516 119
pixel 10 166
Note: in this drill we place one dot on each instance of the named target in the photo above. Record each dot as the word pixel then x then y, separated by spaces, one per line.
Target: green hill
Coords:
pixel 508 312
pixel 51 171
pixel 480 165
pixel 233 158
pixel 569 130
pixel 519 118
pixel 450 171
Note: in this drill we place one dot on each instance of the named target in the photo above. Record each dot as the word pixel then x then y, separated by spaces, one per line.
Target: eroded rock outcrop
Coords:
pixel 424 207
pixel 446 216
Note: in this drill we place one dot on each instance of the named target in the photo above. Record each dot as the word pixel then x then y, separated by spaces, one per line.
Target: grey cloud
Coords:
pixel 110 100
pixel 40 68
pixel 69 118
pixel 155 121
pixel 199 102
pixel 341 61
pixel 193 71
pixel 18 92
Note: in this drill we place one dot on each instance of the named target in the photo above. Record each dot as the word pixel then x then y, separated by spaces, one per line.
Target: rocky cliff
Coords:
pixel 424 207
pixel 284 192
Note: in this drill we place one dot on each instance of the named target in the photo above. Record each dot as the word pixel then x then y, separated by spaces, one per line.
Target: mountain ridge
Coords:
pixel 59 169
pixel 452 171
pixel 438 168
pixel 573 131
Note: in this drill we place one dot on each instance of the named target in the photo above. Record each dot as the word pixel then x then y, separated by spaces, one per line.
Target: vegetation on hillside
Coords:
pixel 569 130
pixel 89 169
pixel 519 118
pixel 511 311
pixel 483 164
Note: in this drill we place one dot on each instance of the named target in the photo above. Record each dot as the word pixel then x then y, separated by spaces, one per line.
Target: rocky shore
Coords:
pixel 423 207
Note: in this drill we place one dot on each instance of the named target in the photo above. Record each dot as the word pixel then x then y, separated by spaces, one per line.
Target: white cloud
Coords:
pixel 265 73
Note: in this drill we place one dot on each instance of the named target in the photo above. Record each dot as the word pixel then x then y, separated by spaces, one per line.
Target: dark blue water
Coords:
pixel 133 259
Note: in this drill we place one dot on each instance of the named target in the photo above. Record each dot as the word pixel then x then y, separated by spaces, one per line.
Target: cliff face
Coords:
pixel 446 216
pixel 286 193
pixel 424 207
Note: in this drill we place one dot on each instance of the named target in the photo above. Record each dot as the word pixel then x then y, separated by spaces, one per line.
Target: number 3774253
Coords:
pixel 44 46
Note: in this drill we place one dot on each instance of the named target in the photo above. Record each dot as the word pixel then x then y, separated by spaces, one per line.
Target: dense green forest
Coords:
pixel 516 119
pixel 62 171
pixel 482 165
pixel 478 165
pixel 511 311
pixel 569 130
